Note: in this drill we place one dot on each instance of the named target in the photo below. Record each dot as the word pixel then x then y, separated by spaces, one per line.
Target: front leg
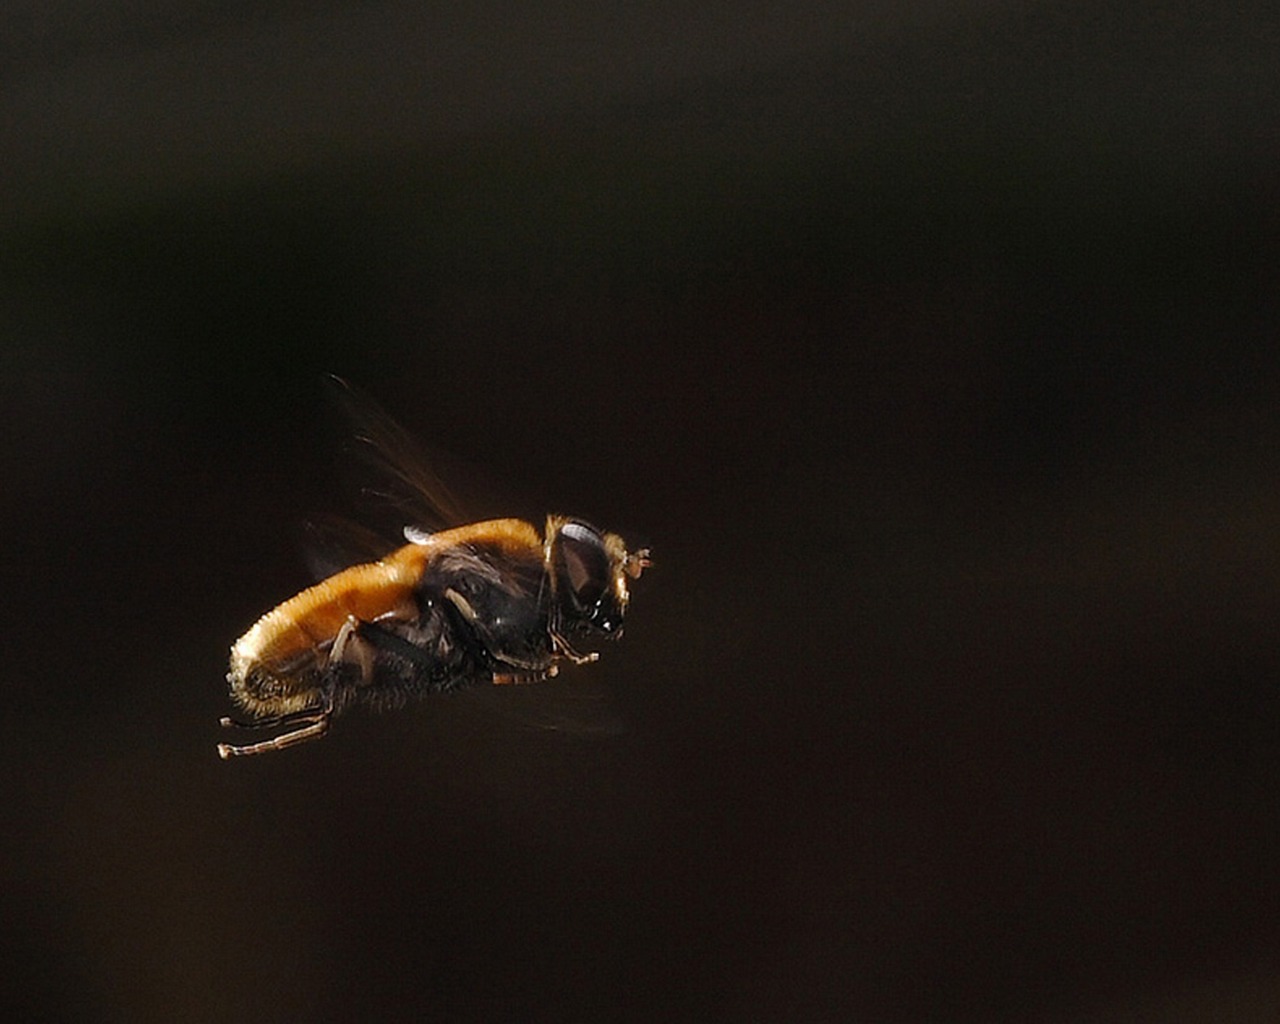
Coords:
pixel 520 677
pixel 563 649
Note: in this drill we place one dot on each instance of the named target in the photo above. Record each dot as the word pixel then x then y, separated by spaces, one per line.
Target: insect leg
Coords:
pixel 521 678
pixel 564 649
pixel 317 728
pixel 293 718
pixel 378 638
pixel 350 647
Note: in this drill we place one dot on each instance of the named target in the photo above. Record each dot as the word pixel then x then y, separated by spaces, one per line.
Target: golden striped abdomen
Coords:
pixel 275 665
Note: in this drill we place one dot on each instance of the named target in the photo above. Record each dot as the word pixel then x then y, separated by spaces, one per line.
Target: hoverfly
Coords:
pixel 490 602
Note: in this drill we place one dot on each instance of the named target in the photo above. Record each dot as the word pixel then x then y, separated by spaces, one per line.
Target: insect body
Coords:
pixel 492 601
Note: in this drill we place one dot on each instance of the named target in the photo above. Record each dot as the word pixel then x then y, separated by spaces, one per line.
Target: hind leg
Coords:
pixel 317 724
pixel 349 648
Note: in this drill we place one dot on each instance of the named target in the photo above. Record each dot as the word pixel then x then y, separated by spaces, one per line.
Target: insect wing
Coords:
pixel 401 466
pixel 569 705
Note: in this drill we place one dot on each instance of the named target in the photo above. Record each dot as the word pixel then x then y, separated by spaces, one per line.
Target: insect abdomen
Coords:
pixel 276 667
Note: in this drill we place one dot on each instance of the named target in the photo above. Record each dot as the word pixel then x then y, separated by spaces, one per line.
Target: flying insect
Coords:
pixel 489 602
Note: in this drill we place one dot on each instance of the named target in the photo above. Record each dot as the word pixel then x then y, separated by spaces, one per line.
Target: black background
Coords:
pixel 933 349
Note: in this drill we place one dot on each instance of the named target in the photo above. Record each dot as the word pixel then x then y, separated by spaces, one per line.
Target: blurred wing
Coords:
pixel 404 476
pixel 409 501
pixel 569 706
pixel 332 543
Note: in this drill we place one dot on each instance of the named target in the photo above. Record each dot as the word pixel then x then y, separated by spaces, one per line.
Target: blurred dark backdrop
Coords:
pixel 932 347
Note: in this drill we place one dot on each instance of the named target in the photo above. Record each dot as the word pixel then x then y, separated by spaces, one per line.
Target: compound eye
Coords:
pixel 585 563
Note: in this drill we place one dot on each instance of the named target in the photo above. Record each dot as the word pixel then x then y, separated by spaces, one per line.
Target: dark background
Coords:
pixel 932 347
